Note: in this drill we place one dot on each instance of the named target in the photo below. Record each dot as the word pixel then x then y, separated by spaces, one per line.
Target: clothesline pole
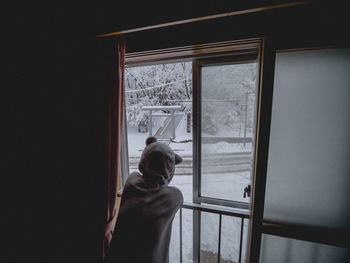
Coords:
pixel 150 123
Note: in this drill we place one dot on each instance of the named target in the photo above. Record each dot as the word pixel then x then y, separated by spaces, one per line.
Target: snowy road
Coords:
pixel 211 164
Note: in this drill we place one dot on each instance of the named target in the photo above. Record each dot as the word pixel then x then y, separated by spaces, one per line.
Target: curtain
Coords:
pixel 115 124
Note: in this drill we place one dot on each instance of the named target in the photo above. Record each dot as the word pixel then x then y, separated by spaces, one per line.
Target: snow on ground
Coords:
pixel 228 186
pixel 225 147
pixel 136 142
pixel 209 236
pixel 230 132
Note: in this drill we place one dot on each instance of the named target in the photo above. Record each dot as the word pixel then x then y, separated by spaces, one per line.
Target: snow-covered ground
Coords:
pixel 209 236
pixel 136 142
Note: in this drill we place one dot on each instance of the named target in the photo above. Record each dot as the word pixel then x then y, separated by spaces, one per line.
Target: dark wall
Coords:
pixel 146 13
pixel 55 107
pixel 54 102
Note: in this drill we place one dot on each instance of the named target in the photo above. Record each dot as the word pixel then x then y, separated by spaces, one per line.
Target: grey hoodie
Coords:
pixel 148 206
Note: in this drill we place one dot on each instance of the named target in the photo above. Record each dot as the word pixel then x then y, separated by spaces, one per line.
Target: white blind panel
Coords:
pixel 308 176
pixel 279 249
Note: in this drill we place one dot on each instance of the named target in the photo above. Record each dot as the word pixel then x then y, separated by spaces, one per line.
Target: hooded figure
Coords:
pixel 148 206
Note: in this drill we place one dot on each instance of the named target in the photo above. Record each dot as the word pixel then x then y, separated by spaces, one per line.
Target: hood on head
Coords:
pixel 157 163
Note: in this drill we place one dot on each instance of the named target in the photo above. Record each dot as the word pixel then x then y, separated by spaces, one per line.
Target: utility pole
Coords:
pixel 245 117
pixel 188 122
pixel 173 123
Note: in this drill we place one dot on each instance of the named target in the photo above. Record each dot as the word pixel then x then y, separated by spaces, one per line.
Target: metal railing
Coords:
pixel 242 214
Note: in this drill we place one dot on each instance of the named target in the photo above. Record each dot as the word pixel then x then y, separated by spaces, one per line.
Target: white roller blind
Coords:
pixel 308 179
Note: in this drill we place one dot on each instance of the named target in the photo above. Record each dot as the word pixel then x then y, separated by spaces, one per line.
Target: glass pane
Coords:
pixel 308 169
pixel 279 249
pixel 228 114
pixel 160 86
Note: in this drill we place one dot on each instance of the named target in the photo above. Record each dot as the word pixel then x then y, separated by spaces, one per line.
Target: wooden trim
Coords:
pixel 265 93
pixel 339 237
pixel 196 108
pixel 203 18
pixel 226 48
pixel 195 160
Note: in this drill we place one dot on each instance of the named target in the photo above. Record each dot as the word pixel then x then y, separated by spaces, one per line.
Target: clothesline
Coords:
pixel 158 86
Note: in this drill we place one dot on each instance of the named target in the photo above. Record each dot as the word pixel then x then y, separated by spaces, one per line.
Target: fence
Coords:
pixel 219 211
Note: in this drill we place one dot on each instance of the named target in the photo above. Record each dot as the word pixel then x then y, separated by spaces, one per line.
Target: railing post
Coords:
pixel 196 236
pixel 241 241
pixel 197 210
pixel 219 245
pixel 180 234
pixel 245 117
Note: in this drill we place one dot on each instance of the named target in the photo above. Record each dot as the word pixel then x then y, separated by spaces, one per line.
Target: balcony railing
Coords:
pixel 242 214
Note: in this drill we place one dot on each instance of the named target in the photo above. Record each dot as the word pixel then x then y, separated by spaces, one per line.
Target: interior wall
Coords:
pixel 312 24
pixel 155 12
pixel 54 164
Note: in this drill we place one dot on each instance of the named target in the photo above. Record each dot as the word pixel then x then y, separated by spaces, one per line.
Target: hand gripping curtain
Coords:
pixel 115 123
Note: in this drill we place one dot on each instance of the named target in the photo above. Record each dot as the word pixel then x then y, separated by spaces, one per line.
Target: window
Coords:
pixel 225 129
pixel 308 171
pixel 203 103
pixel 158 101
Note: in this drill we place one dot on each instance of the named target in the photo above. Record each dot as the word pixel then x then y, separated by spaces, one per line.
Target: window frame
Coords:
pixel 197 64
pixel 198 53
pixel 228 52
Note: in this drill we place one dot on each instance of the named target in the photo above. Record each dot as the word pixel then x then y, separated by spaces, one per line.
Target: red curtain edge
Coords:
pixel 114 137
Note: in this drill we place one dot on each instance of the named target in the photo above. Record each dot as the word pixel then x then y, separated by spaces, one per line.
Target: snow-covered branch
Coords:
pixel 157 86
